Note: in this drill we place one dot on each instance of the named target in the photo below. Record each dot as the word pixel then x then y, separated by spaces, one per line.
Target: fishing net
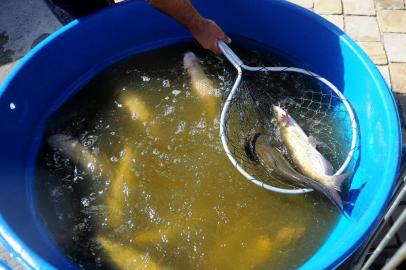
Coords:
pixel 316 105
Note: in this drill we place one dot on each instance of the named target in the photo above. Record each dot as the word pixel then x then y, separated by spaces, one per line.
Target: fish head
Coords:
pixel 60 141
pixel 189 60
pixel 263 151
pixel 281 115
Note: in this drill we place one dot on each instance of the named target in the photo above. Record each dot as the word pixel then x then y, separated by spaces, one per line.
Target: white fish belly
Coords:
pixel 310 161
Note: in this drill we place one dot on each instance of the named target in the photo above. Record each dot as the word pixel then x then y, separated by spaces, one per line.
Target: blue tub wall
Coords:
pixel 56 67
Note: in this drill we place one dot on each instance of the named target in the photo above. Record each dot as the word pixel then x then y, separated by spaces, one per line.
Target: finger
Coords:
pixel 215 49
pixel 227 40
pixel 216 45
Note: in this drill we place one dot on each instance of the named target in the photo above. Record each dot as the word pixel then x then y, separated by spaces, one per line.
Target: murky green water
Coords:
pixel 148 186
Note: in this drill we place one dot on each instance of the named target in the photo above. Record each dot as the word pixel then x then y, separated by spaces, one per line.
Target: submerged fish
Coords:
pixel 202 86
pixel 122 176
pixel 304 154
pixel 73 149
pixel 274 161
pixel 136 106
pixel 125 256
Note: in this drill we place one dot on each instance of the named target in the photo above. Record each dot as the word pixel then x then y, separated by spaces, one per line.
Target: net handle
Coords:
pixel 229 54
pixel 239 65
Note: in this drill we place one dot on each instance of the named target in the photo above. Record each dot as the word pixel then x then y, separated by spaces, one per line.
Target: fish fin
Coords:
pixel 337 180
pixel 285 119
pixel 312 141
pixel 249 147
pixel 336 198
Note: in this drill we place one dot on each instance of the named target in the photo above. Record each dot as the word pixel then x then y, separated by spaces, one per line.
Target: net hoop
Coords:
pixel 240 66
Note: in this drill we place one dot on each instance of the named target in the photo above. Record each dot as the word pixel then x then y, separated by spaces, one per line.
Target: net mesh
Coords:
pixel 314 106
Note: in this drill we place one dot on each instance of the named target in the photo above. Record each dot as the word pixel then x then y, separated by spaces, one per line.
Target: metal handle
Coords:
pixel 229 54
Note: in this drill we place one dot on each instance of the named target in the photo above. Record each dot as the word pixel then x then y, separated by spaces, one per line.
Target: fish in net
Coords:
pixel 316 105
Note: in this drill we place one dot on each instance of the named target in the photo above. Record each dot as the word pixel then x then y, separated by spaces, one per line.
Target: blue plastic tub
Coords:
pixel 59 65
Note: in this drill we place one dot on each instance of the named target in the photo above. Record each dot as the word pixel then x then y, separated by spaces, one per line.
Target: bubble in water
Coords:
pixel 201 124
pixel 176 92
pixel 166 83
pixel 126 190
pixel 145 78
pixel 169 110
pixel 12 106
pixel 89 141
pixel 122 153
pixel 181 127
pixel 151 213
pixel 114 159
pixel 77 174
pixel 91 166
pixel 165 238
pixel 85 202
pixel 134 115
pixel 119 105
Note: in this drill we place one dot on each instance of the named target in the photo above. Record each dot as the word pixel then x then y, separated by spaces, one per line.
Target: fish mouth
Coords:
pixel 249 147
pixel 277 109
pixel 281 115
pixel 189 60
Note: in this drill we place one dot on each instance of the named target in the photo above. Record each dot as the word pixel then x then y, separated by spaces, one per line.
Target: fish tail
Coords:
pixel 331 193
pixel 335 197
pixel 336 181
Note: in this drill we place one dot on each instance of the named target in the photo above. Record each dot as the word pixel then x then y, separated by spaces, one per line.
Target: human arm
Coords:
pixel 205 31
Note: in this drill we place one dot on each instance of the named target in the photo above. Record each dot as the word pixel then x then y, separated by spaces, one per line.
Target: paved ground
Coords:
pixel 379 27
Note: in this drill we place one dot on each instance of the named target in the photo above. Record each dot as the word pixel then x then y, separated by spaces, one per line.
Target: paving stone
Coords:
pixel 362 28
pixel 5 70
pixel 376 51
pixel 359 7
pixel 22 22
pixel 303 3
pixel 385 73
pixel 328 7
pixel 389 4
pixel 395 45
pixel 392 20
pixel 398 71
pixel 9 260
pixel 338 20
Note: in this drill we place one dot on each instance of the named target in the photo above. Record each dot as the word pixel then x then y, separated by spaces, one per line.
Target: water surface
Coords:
pixel 161 193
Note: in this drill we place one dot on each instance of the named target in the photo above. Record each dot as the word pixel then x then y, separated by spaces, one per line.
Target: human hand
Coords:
pixel 208 33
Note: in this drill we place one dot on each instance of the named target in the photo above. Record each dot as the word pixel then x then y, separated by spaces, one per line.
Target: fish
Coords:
pixel 277 165
pixel 202 86
pixel 135 106
pixel 257 247
pixel 125 256
pixel 139 112
pixel 303 151
pixel 74 150
pixel 123 178
pixel 71 148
